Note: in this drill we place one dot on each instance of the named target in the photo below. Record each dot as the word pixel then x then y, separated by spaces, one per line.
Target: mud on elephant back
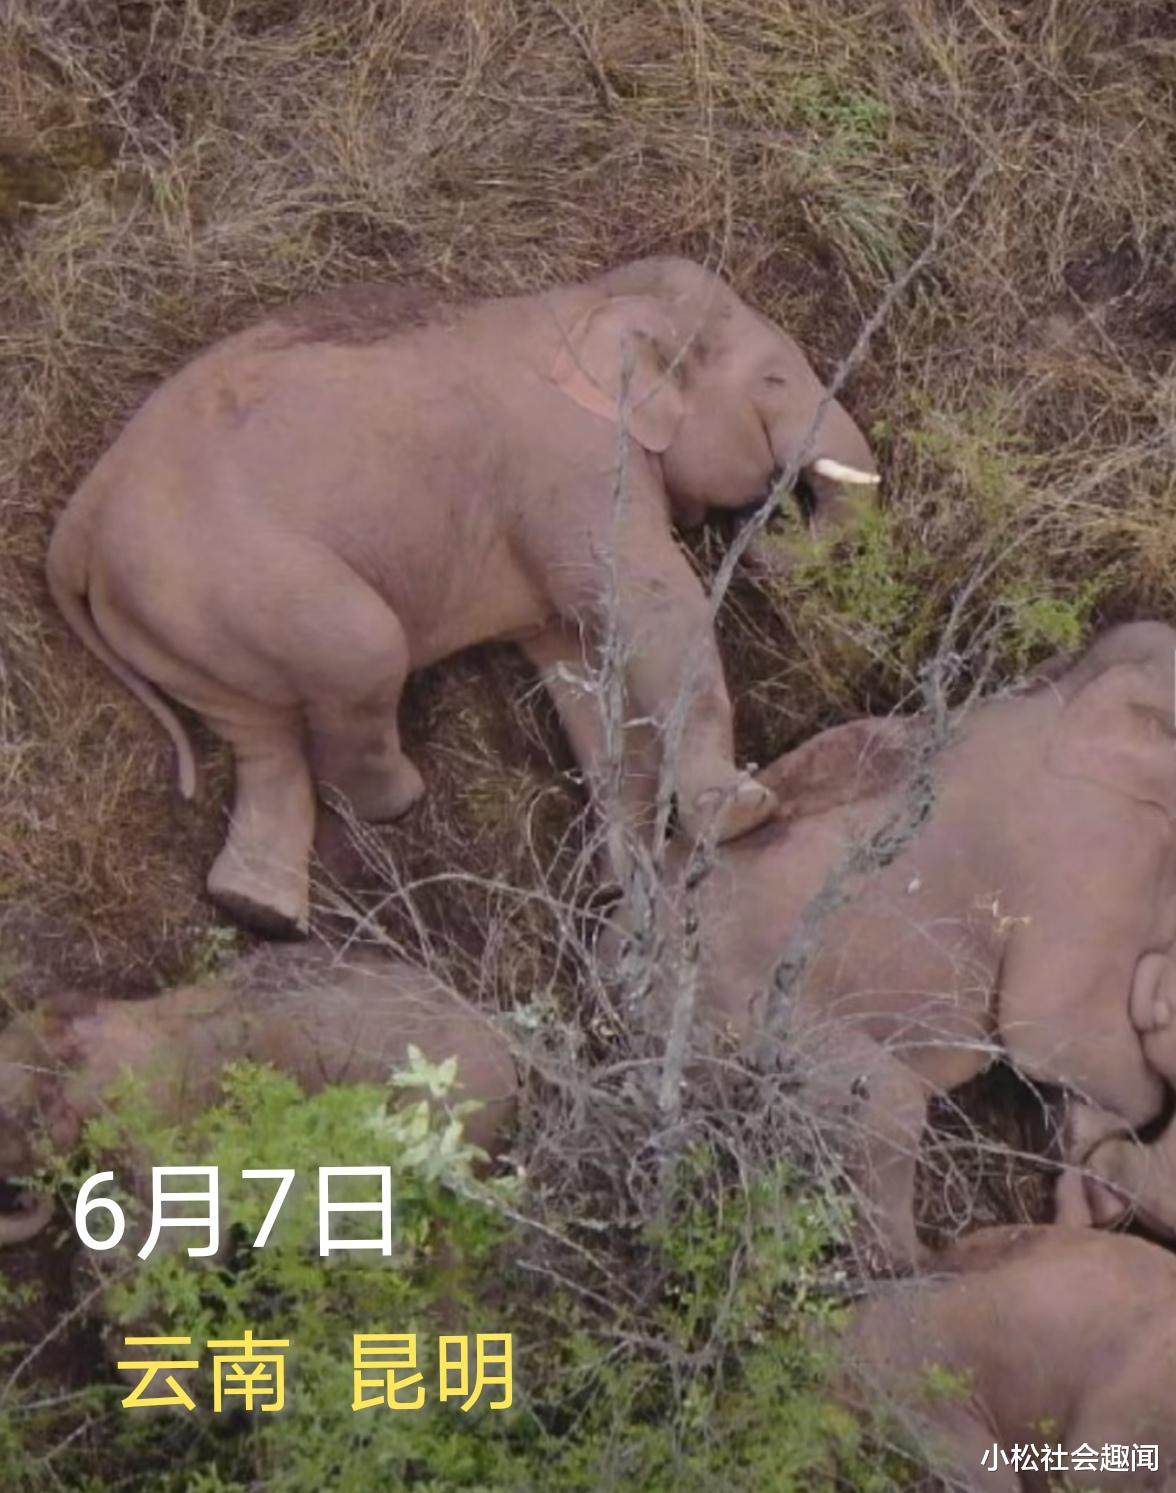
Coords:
pixel 932 905
pixel 359 486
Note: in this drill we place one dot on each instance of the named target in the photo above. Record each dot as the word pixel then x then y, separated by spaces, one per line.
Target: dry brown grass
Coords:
pixel 169 169
pixel 166 170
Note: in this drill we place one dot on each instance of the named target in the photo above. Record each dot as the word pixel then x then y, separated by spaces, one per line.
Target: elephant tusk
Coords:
pixel 825 466
pixel 16 1228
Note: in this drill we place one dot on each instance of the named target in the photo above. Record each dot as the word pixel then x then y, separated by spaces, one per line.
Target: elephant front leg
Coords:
pixel 675 678
pixel 872 1108
pixel 261 877
pixel 618 758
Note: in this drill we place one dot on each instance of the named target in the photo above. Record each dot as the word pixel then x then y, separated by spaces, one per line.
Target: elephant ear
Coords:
pixel 625 346
pixel 847 763
pixel 1119 731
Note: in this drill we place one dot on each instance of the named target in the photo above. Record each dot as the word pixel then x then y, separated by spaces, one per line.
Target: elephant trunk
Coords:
pixel 18 1228
pixel 840 469
pixel 1122 1174
pixel 842 479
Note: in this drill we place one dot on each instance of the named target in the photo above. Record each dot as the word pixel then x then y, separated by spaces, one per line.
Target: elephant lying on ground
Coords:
pixel 1026 913
pixel 359 486
pixel 320 1020
pixel 1055 1336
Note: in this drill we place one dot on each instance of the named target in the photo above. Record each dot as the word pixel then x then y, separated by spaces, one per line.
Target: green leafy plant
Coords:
pixel 1041 623
pixel 217 946
pixel 724 1376
pixel 852 122
pixel 859 580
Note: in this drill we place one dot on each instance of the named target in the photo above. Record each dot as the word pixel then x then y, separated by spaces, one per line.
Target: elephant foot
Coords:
pixel 272 905
pixel 723 814
pixel 380 795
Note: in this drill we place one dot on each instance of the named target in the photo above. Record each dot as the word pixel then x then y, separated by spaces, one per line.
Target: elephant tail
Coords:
pixel 66 573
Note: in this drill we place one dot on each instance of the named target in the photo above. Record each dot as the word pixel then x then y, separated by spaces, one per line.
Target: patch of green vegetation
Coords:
pixel 980 456
pixel 992 485
pixel 725 1380
pixel 840 155
pixel 861 580
pixel 216 948
pixel 943 1383
pixel 1038 624
pixel 852 123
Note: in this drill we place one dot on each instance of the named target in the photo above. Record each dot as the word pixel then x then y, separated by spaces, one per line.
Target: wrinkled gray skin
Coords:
pixel 1026 914
pixel 1056 1335
pixel 360 486
pixel 320 1021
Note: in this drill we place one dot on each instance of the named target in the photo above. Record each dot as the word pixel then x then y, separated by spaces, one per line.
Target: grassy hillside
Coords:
pixel 166 170
pixel 170 169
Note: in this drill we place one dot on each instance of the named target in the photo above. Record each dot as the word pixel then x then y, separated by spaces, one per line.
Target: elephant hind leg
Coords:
pixel 261 877
pixel 342 657
pixel 355 749
pixel 351 711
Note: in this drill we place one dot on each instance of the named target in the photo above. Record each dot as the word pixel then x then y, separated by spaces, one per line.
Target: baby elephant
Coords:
pixel 359 486
pixel 1027 1338
pixel 930 905
pixel 320 1020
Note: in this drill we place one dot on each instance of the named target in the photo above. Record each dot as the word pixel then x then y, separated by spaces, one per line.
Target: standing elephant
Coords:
pixel 359 486
pixel 321 1019
pixel 1026 913
pixel 1048 1337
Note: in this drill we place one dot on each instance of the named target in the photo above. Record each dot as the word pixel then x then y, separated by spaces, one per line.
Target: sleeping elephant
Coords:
pixel 1024 913
pixel 359 486
pixel 1046 1335
pixel 321 1019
